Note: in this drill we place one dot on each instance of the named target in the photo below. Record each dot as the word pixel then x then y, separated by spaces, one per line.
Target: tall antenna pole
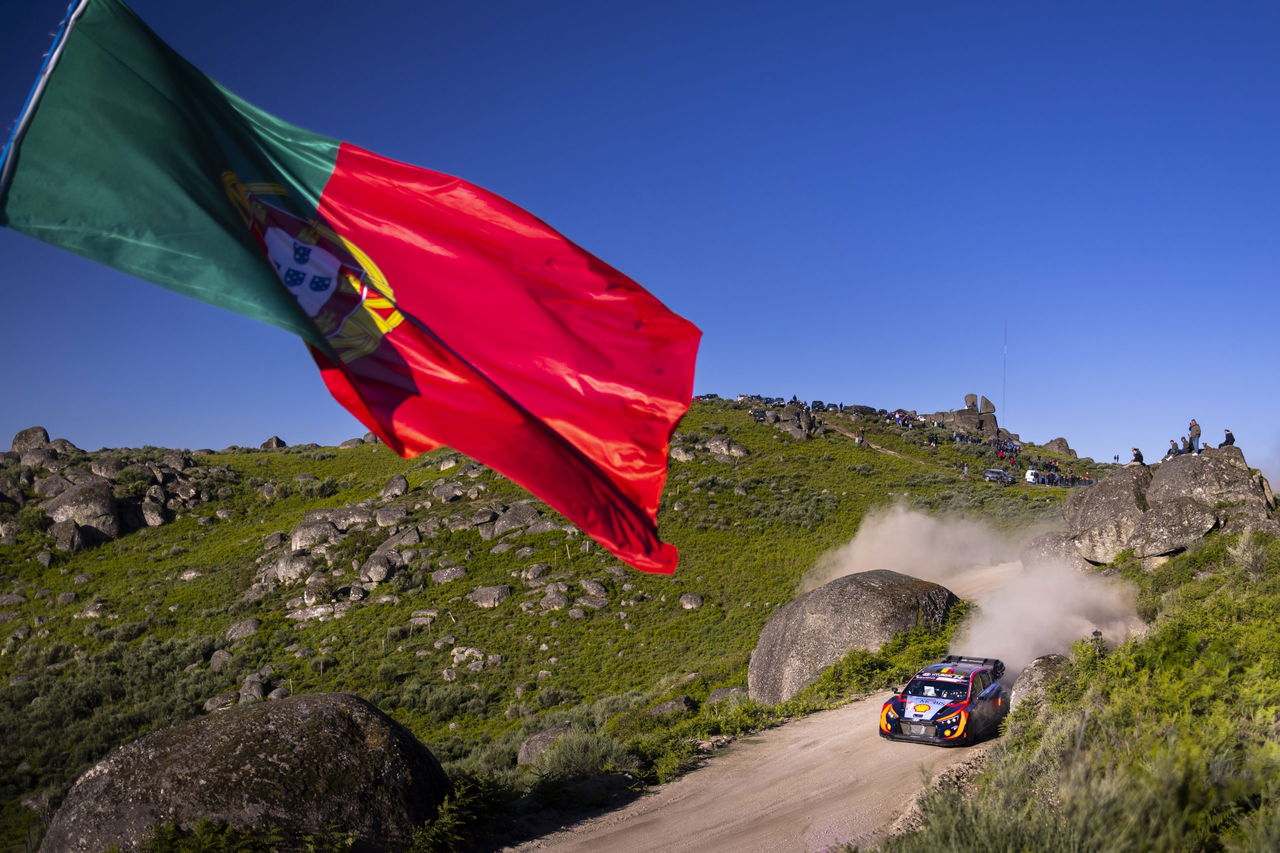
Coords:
pixel 1004 374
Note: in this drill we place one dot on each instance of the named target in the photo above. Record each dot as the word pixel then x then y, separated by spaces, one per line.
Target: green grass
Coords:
pixel 747 530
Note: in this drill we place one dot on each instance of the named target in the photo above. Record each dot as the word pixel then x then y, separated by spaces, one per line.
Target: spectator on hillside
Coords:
pixel 1173 450
pixel 1228 438
pixel 1193 430
pixel 1137 458
pixel 1186 445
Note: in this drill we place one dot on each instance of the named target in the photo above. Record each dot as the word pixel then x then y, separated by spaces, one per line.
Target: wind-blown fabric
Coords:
pixel 437 312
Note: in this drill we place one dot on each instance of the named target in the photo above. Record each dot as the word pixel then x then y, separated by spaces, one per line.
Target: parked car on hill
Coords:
pixel 955 702
pixel 995 475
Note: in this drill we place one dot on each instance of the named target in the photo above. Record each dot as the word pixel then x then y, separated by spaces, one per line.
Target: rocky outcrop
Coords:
pixel 1170 526
pixel 394 488
pixel 968 421
pixel 1214 476
pixel 31 438
pixel 1159 510
pixel 1060 447
pixel 1036 677
pixel 243 628
pixel 90 506
pixel 1119 498
pixel 489 597
pixel 1054 547
pixel 535 745
pixel 305 764
pixel 858 611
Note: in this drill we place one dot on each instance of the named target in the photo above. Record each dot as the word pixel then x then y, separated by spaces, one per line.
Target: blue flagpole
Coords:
pixel 8 155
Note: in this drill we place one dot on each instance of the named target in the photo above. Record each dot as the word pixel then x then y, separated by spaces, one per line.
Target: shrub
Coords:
pixel 473 800
pixel 584 754
pixel 319 488
pixel 32 519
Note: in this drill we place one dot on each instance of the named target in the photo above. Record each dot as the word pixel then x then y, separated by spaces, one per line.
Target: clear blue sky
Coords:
pixel 850 199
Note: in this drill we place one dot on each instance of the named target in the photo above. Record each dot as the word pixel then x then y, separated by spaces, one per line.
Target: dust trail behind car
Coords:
pixel 1026 611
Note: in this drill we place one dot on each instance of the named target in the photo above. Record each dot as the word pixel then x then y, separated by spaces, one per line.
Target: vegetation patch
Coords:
pixel 109 643
pixel 1169 742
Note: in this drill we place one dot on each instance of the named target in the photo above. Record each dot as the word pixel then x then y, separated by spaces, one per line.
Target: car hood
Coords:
pixel 922 707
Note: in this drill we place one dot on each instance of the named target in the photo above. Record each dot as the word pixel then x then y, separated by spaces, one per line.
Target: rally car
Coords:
pixel 955 702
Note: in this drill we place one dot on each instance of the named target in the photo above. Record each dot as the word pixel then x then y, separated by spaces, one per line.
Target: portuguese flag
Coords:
pixel 437 312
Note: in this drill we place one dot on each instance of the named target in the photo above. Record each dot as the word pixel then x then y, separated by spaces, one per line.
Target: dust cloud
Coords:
pixel 1024 611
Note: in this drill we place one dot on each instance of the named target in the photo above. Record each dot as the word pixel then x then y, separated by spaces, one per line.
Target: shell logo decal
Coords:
pixel 921 708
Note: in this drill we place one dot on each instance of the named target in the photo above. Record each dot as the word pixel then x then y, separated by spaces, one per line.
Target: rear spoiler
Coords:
pixel 997 666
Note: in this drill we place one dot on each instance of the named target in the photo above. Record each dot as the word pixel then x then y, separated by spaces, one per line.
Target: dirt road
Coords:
pixel 823 780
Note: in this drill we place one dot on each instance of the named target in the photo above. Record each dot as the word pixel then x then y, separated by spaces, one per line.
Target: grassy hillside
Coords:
pixel 74 685
pixel 1170 742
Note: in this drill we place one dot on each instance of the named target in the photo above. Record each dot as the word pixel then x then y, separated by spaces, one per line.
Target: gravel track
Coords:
pixel 823 780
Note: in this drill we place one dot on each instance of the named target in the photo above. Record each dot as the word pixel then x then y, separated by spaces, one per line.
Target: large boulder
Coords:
pixel 1162 509
pixel 304 764
pixel 516 516
pixel 68 536
pixel 395 487
pixel 1170 526
pixel 31 438
pixel 489 597
pixel 858 611
pixel 1036 677
pixel 343 518
pixel 1120 499
pixel 1103 542
pixel 1211 478
pixel 1054 547
pixel 1060 447
pixel 91 505
pixel 312 533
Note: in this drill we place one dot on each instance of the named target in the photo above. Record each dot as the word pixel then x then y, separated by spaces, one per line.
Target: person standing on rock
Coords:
pixel 1193 430
pixel 1228 438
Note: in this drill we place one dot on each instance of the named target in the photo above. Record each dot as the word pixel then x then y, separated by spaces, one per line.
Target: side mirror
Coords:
pixel 893 690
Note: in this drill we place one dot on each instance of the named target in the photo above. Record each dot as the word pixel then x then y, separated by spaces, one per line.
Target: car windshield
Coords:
pixel 949 690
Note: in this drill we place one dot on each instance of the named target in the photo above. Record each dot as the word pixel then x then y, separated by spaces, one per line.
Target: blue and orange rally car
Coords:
pixel 955 702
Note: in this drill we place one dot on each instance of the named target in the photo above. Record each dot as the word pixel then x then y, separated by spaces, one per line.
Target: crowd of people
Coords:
pixel 1190 444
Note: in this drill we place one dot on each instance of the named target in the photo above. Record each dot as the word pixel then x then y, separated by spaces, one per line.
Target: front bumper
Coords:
pixel 932 740
pixel 921 731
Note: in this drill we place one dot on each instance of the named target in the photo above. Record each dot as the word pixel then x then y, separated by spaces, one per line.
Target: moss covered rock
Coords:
pixel 306 764
pixel 858 611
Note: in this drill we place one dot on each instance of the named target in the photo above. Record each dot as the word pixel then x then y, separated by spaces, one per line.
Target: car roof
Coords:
pixel 952 670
